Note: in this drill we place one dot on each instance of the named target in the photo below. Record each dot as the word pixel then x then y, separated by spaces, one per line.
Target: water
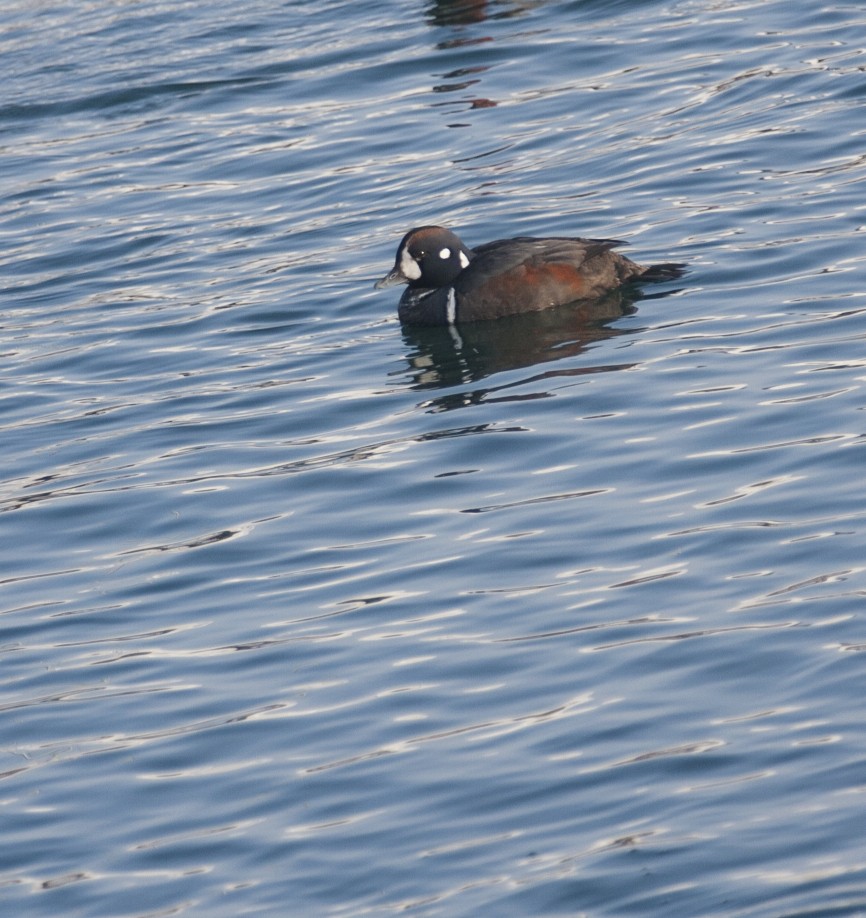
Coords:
pixel 305 613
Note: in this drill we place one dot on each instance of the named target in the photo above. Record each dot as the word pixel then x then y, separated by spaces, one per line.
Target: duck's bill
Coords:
pixel 391 280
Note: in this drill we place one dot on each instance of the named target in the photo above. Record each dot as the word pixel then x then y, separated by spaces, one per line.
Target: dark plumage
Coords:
pixel 451 283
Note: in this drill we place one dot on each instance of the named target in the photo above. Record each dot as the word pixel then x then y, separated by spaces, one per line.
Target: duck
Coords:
pixel 450 283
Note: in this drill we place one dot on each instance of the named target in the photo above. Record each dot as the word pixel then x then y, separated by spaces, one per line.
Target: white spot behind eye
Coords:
pixel 464 261
pixel 445 253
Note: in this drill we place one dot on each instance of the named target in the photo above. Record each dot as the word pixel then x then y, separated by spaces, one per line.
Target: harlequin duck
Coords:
pixel 451 283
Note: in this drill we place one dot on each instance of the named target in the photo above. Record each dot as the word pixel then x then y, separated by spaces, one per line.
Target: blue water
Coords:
pixel 305 613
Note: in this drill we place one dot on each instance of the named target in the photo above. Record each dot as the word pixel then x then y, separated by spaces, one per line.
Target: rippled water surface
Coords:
pixel 308 613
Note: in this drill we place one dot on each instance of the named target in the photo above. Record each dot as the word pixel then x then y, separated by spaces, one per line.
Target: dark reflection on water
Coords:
pixel 456 12
pixel 443 357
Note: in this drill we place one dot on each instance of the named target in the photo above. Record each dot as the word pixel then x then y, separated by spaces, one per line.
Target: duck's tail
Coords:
pixel 670 270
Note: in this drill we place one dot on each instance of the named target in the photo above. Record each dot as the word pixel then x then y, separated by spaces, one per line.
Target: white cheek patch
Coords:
pixel 409 268
pixel 464 261
pixel 445 254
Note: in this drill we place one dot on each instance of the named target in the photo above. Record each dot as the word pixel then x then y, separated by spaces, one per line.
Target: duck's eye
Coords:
pixel 445 254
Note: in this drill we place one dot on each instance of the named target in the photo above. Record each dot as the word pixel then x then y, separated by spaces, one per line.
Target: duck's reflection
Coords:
pixel 440 357
pixel 456 12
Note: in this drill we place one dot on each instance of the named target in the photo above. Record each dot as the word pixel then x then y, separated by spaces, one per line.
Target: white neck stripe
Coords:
pixel 451 307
